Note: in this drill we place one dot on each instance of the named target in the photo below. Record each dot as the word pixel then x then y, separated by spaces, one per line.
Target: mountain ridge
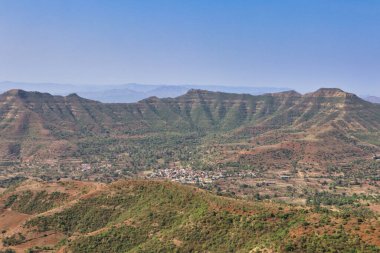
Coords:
pixel 39 126
pixel 322 92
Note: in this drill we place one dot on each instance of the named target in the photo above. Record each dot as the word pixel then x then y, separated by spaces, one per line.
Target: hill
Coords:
pixel 154 216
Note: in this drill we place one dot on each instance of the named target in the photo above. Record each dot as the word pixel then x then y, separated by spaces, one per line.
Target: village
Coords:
pixel 198 177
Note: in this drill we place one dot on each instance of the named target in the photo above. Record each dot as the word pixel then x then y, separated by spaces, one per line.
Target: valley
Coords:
pixel 322 140
pixel 311 154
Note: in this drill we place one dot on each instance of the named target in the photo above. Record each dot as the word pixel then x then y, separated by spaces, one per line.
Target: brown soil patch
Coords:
pixel 11 220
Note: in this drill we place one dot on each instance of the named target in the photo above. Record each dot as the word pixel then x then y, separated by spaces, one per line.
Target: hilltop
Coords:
pixel 147 216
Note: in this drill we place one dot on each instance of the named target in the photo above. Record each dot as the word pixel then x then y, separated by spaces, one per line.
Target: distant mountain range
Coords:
pixel 129 93
pixel 373 99
pixel 134 92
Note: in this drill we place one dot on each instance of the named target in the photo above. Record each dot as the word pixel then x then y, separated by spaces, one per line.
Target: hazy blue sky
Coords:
pixel 302 44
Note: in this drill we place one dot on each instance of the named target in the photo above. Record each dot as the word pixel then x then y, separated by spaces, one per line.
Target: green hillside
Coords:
pixel 152 216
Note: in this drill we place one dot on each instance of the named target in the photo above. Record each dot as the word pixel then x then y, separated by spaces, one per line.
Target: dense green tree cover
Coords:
pixel 32 203
pixel 7 182
pixel 326 198
pixel 141 216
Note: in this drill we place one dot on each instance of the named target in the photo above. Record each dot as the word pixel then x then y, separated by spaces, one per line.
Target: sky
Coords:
pixel 303 45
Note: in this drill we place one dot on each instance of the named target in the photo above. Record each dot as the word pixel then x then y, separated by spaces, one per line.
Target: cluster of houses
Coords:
pixel 187 176
pixel 190 176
